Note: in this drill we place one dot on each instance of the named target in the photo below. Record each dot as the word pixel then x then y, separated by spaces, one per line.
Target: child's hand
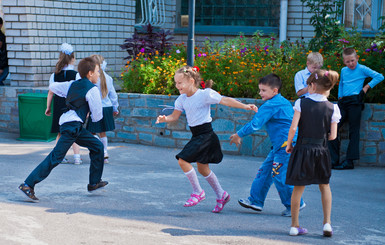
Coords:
pixel 161 119
pixel 366 88
pixel 235 139
pixel 289 148
pixel 253 107
pixel 116 113
pixel 48 111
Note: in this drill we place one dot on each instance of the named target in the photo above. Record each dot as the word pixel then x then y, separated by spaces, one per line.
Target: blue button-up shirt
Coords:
pixel 300 79
pixel 352 81
pixel 277 114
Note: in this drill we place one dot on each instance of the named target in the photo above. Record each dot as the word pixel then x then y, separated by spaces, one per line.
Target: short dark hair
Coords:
pixel 86 65
pixel 1 21
pixel 272 80
pixel 349 51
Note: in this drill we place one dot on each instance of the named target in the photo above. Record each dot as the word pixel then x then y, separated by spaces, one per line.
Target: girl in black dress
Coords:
pixel 316 119
pixel 64 72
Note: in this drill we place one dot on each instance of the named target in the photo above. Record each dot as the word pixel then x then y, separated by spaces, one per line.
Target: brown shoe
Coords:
pixel 93 187
pixel 29 192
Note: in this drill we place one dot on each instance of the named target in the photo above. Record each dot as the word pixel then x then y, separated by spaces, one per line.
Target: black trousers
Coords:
pixel 71 132
pixel 351 109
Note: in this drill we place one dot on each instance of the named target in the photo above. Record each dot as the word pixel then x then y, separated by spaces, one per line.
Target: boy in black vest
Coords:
pixel 82 97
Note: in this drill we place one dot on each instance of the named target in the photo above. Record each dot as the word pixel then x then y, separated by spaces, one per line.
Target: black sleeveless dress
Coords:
pixel 59 103
pixel 310 160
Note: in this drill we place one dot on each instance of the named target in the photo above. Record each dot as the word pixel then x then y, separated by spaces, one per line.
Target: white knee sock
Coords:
pixel 214 183
pixel 193 178
pixel 105 143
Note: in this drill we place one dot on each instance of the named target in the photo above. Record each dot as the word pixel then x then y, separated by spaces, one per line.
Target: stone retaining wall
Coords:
pixel 138 112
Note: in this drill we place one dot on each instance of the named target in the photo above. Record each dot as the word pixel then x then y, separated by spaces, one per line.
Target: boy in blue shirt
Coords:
pixel 314 62
pixel 351 92
pixel 276 113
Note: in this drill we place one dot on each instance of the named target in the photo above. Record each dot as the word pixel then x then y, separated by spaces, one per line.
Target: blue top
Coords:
pixel 300 79
pixel 277 113
pixel 352 81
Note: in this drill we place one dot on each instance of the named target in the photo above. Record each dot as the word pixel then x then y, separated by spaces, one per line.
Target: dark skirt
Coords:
pixel 309 164
pixel 106 124
pixel 59 106
pixel 204 146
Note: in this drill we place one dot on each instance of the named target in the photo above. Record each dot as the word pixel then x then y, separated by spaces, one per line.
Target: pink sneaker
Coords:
pixel 195 199
pixel 221 202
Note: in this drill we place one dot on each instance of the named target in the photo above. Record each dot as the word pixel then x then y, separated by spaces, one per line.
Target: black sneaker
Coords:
pixel 93 187
pixel 29 192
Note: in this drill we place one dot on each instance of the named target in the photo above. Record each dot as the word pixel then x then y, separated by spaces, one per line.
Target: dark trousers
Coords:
pixel 351 108
pixel 70 132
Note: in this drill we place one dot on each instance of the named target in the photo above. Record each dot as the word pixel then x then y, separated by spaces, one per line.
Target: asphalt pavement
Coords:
pixel 143 203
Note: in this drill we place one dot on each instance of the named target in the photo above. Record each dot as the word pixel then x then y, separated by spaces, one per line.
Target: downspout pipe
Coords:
pixel 191 32
pixel 283 21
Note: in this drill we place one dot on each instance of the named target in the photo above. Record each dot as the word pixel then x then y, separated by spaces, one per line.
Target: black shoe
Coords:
pixel 347 164
pixel 93 187
pixel 29 192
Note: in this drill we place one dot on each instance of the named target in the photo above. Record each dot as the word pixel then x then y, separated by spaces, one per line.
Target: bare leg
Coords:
pixel 76 148
pixel 185 166
pixel 295 203
pixel 326 197
pixel 203 169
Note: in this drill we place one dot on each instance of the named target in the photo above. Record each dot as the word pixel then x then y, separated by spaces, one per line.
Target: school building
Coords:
pixel 35 29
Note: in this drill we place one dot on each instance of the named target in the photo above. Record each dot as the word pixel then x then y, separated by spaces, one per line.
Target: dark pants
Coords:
pixel 351 108
pixel 70 132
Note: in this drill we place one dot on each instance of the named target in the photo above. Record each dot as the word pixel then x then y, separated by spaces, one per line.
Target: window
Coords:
pixel 363 14
pixel 150 12
pixel 234 16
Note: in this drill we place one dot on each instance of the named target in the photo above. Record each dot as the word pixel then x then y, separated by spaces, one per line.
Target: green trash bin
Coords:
pixel 34 125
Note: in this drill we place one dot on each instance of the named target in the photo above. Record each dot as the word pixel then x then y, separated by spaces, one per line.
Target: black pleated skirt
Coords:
pixel 309 164
pixel 204 146
pixel 106 124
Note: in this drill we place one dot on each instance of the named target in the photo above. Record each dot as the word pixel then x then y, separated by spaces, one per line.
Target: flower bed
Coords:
pixel 237 64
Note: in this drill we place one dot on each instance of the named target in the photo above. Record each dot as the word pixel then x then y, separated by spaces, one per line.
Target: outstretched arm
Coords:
pixel 171 118
pixel 227 101
pixel 49 101
pixel 292 130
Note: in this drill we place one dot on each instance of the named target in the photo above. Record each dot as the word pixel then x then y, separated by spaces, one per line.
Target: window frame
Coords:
pixel 375 22
pixel 220 29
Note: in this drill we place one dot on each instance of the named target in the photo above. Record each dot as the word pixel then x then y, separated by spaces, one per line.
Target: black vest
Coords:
pixel 60 102
pixel 315 120
pixel 76 97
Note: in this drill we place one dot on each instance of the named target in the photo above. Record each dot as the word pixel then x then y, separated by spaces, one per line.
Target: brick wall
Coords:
pixel 138 112
pixel 35 30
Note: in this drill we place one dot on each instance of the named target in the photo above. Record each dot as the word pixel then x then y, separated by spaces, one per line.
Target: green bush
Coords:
pixel 237 64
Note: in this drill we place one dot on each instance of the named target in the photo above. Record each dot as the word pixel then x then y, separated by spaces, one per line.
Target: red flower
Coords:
pixel 196 68
pixel 203 84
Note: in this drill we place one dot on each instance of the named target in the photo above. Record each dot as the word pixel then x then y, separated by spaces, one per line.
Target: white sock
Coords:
pixel 193 178
pixel 76 156
pixel 213 181
pixel 105 143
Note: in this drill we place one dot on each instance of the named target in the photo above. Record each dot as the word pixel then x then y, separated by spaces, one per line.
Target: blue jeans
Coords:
pixel 273 169
pixel 70 132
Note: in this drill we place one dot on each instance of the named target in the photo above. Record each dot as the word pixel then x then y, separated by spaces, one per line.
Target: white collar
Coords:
pixel 69 67
pixel 317 97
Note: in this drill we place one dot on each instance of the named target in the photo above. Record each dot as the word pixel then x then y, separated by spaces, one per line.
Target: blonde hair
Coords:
pixel 315 58
pixel 325 80
pixel 103 83
pixel 192 72
pixel 64 59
